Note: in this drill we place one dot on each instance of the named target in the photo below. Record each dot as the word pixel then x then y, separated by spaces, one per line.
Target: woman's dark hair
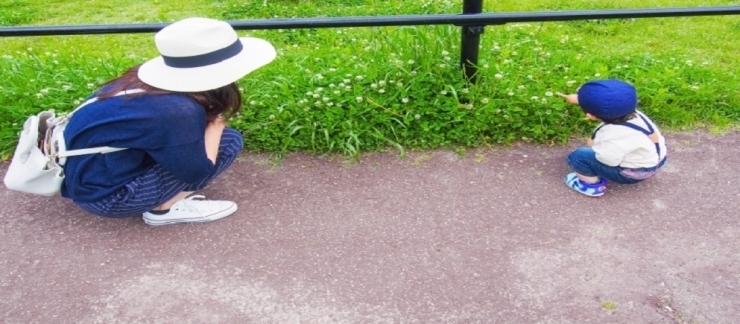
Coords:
pixel 620 119
pixel 225 101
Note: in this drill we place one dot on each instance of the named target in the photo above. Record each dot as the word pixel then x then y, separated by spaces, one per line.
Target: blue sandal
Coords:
pixel 588 189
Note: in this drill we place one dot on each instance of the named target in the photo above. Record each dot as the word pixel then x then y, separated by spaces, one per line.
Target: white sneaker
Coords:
pixel 190 210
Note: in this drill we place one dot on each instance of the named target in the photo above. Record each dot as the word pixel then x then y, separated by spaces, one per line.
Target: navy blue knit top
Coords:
pixel 157 129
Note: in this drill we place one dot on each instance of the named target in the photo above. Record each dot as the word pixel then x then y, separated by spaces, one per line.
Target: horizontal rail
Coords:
pixel 481 19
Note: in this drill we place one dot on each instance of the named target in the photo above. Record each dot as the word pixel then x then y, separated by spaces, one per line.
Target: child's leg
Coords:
pixel 589 170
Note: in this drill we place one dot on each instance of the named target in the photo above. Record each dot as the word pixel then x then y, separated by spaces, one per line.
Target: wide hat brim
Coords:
pixel 255 54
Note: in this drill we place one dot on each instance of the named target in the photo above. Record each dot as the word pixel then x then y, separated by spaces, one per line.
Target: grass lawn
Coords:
pixel 352 90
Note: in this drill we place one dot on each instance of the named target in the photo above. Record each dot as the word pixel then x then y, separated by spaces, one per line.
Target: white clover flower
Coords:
pixel 381 83
pixel 529 76
pixel 693 87
pixel 405 100
pixel 465 90
pixel 445 53
pixel 252 103
pixel 76 102
pixel 65 87
pixel 414 72
pixel 381 91
pixel 325 99
pixel 349 75
pixel 332 69
pixel 341 85
pixel 514 53
pixel 411 62
pixel 570 83
pixel 507 61
pixel 332 85
pixel 347 81
pixel 359 77
pixel 373 85
pixel 44 90
pixel 521 87
pixel 336 92
pixel 548 94
pixel 535 98
pixel 319 77
pixel 39 95
pixel 359 99
pixel 317 104
pixel 689 62
pixel 90 86
pixel 547 112
pixel 548 54
pixel 443 92
pixel 498 76
pixel 330 104
pixel 469 106
pixel 399 84
pixel 442 66
pixel 597 75
pixel 496 48
pixel 272 117
pixel 316 95
pixel 511 93
pixel 347 88
pixel 484 101
pixel 417 116
pixel 447 58
pixel 309 93
pixel 485 66
pixel 544 100
pixel 319 89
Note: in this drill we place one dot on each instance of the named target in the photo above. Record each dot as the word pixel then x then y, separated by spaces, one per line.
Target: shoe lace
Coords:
pixel 190 204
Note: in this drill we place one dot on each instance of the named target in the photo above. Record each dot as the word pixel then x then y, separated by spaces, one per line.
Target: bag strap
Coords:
pixel 100 149
pixel 94 99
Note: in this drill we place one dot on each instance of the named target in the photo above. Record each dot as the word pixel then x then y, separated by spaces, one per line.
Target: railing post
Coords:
pixel 470 43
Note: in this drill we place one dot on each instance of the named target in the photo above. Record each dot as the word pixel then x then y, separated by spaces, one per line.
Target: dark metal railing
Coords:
pixel 472 21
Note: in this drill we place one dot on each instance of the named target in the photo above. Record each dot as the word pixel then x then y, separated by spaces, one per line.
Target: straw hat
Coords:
pixel 200 54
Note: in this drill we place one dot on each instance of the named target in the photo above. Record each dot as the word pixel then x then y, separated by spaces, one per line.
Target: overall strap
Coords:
pixel 649 131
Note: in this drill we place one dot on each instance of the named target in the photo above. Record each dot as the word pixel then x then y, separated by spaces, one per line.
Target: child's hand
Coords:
pixel 569 98
pixel 589 142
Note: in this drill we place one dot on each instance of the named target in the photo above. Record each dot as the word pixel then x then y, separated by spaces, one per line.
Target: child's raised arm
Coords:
pixel 569 98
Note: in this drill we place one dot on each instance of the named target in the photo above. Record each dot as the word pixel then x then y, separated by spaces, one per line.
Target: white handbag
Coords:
pixel 37 164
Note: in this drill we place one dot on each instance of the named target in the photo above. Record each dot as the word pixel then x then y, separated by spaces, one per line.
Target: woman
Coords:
pixel 172 126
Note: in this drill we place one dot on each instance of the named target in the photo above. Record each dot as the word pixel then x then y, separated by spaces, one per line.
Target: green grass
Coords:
pixel 354 90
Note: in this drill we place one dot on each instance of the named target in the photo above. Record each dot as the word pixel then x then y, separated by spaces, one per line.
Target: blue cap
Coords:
pixel 608 99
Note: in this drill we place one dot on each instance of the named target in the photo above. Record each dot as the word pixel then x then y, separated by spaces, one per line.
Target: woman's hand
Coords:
pixel 214 130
